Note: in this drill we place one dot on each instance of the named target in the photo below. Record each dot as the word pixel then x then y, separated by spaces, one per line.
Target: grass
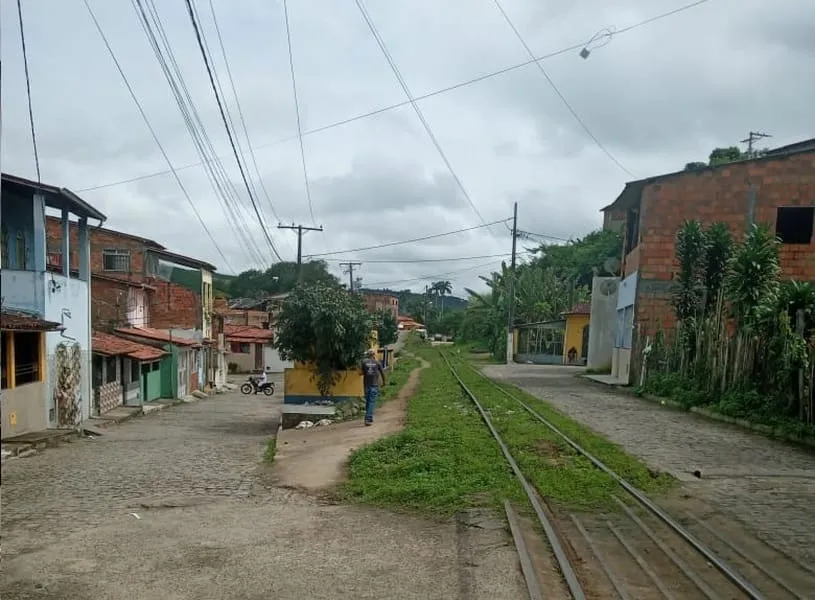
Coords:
pixel 446 460
pixel 397 378
pixel 271 450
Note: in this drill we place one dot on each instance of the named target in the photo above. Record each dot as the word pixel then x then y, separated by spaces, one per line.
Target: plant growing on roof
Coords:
pixel 326 327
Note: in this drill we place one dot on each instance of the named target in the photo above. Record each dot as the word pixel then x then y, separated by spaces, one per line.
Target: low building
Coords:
pixel 376 301
pixel 124 372
pixel 251 350
pixel 576 334
pixel 776 188
pixel 59 295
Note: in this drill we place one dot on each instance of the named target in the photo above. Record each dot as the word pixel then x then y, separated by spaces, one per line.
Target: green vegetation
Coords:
pixel 386 327
pixel 397 378
pixel 325 326
pixel 280 277
pixel 742 342
pixel 723 156
pixel 558 277
pixel 446 460
pixel 271 450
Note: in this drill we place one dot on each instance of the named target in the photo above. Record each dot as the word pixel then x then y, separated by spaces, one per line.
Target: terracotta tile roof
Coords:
pixel 18 321
pixel 111 345
pixel 244 333
pixel 583 308
pixel 156 335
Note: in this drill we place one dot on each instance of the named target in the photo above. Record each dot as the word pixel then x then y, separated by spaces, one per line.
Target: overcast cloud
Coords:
pixel 656 97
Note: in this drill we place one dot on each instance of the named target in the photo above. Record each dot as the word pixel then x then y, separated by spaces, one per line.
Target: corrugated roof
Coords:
pixel 111 345
pixel 156 335
pixel 19 321
pixel 582 308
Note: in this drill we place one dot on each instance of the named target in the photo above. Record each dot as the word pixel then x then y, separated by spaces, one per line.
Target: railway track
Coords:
pixel 641 551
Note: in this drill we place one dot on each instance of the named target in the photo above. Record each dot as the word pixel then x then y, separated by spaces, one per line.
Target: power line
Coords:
pixel 297 112
pixel 240 110
pixel 153 133
pixel 198 37
pixel 381 43
pixel 410 241
pixel 349 269
pixel 429 260
pixel 557 91
pixel 462 84
pixel 28 92
pixel 435 275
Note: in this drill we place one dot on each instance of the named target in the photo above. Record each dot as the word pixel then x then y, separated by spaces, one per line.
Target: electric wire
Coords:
pixel 198 36
pixel 409 241
pixel 28 92
pixel 434 275
pixel 219 180
pixel 153 134
pixel 297 113
pixel 403 84
pixel 557 91
pixel 428 260
pixel 438 92
pixel 266 194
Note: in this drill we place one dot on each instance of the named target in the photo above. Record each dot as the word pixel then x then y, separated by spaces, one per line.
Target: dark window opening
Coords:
pixel 4 336
pixel 26 358
pixel 134 371
pixel 97 367
pixel 793 224
pixel 632 229
pixel 116 260
pixel 111 369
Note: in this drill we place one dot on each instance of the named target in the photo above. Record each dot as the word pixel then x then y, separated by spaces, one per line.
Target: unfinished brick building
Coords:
pixel 777 188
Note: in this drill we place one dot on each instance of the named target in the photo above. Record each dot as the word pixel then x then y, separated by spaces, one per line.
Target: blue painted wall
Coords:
pixel 17 218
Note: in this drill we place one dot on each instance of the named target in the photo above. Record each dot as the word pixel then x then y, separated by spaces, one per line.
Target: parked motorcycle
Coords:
pixel 253 386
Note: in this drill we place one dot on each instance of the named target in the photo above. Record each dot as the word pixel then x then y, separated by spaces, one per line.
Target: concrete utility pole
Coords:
pixel 511 289
pixel 300 229
pixel 350 270
pixel 751 139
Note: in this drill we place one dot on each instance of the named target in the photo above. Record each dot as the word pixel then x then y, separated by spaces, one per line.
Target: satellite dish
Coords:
pixel 612 265
pixel 608 287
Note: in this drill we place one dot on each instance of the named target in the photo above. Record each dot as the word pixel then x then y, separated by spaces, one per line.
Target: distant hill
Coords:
pixel 408 298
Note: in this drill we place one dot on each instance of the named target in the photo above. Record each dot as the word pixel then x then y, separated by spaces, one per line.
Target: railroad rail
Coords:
pixel 646 533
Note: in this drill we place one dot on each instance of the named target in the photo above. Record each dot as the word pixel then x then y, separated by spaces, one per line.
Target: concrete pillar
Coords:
pixel 39 242
pixel 66 243
pixel 84 252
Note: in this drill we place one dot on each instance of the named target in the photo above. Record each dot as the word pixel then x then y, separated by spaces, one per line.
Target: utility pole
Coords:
pixel 350 270
pixel 511 287
pixel 751 139
pixel 300 229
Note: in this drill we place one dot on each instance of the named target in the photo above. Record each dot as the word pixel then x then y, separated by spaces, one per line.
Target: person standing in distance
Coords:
pixel 372 374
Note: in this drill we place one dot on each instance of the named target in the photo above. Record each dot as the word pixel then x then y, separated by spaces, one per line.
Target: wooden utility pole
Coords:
pixel 300 229
pixel 349 268
pixel 511 289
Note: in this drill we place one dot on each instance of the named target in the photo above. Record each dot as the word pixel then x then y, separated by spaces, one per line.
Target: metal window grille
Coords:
pixel 116 260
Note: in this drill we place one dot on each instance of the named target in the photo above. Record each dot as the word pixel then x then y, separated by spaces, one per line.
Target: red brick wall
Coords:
pixel 174 306
pixel 100 239
pixel 108 303
pixel 376 302
pixel 614 220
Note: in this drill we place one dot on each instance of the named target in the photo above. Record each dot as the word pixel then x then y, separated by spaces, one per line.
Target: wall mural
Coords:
pixel 68 371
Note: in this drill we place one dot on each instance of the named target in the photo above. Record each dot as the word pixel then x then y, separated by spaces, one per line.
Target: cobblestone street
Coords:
pixel 178 505
pixel 766 484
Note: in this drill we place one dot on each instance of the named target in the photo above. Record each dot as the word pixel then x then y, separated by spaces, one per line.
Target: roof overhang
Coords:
pixel 55 197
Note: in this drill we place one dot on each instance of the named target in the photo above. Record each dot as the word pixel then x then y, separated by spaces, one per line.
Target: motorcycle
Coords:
pixel 252 386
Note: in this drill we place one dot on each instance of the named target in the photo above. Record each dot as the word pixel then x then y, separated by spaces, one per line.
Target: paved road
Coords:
pixel 766 484
pixel 178 505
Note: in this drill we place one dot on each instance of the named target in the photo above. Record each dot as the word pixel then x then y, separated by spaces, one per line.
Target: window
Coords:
pixel 27 357
pixel 115 260
pixel 54 257
pixel 793 224
pixel 97 370
pixel 134 371
pixel 111 369
pixel 632 230
pixel 20 250
pixel 4 364
pixel 239 348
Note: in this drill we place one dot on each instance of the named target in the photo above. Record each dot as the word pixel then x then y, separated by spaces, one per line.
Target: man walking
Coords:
pixel 372 373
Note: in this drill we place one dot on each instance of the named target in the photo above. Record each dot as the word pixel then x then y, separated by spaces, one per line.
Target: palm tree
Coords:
pixel 441 288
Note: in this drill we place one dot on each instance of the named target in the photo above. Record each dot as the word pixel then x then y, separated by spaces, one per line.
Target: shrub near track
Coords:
pixel 446 460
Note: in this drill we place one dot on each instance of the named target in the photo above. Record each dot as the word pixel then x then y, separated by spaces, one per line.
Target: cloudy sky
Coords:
pixel 655 97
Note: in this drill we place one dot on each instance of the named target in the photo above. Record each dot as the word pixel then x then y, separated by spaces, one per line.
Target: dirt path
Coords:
pixel 315 459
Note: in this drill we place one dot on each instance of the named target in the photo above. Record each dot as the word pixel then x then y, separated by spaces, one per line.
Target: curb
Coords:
pixel 766 430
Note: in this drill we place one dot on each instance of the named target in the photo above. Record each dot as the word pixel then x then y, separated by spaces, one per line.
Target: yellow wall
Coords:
pixel 301 381
pixel 573 337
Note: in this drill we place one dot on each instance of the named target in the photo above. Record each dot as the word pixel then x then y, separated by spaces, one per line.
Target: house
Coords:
pixel 181 368
pixel 124 372
pixel 58 303
pixel 139 283
pixel 251 350
pixel 407 323
pixel 576 334
pixel 777 188
pixel 375 301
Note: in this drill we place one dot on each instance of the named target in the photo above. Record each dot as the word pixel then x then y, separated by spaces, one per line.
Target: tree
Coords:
pixel 325 326
pixel 386 327
pixel 721 156
pixel 280 277
pixel 440 289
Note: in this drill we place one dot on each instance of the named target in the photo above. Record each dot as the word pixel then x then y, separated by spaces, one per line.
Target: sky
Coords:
pixel 645 101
